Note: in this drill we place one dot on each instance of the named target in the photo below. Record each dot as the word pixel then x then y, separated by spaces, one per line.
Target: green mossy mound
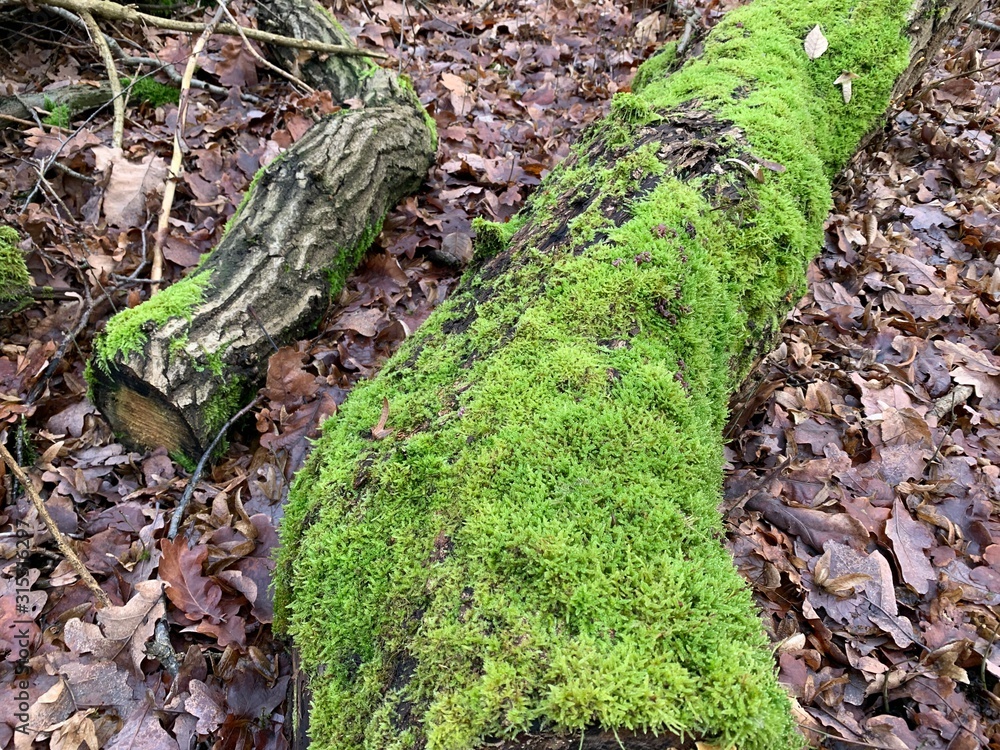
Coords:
pixel 537 543
pixel 15 281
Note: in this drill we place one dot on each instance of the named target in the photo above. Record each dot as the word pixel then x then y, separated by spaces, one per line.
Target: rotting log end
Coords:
pixel 139 415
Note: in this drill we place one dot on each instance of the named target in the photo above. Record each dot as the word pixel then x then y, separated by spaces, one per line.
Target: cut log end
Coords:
pixel 141 416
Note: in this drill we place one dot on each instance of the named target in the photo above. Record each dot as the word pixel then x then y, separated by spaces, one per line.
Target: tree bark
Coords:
pixel 171 371
pixel 526 553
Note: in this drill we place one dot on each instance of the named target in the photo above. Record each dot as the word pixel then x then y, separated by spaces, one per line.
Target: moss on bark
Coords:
pixel 129 330
pixel 537 544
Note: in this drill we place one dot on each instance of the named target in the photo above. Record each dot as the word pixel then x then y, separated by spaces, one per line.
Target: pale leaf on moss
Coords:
pixel 816 44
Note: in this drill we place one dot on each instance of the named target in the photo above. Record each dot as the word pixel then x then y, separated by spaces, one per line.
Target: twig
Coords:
pixel 176 161
pixel 985 25
pixel 71 172
pixel 986 654
pixel 97 36
pixel 30 124
pixel 690 24
pixel 43 513
pixel 159 648
pixel 257 56
pixel 157 65
pixel 115 12
pixel 175 522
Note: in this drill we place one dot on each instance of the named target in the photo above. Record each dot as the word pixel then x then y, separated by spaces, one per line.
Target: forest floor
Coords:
pixel 863 492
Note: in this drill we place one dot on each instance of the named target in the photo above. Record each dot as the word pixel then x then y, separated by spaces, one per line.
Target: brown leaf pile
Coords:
pixel 864 494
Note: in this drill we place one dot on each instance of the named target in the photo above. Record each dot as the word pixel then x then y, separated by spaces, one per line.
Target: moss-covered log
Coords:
pixel 171 371
pixel 527 553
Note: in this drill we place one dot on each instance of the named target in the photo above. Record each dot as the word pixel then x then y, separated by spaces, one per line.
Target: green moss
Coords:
pixel 658 66
pixel 492 238
pixel 188 464
pixel 223 405
pixel 58 115
pixel 632 109
pixel 15 281
pixel 348 258
pixel 128 331
pixel 538 540
pixel 146 89
pixel 88 377
pixel 407 85
pixel 246 198
pixel 178 344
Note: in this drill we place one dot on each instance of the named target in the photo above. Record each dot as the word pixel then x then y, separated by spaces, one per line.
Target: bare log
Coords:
pixel 171 371
pixel 526 553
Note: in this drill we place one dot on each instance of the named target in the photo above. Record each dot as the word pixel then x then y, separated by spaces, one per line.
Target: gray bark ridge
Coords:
pixel 307 221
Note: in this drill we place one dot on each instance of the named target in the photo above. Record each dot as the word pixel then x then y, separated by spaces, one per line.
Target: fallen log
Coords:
pixel 171 371
pixel 510 537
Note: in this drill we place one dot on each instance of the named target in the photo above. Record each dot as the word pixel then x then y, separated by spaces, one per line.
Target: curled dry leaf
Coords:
pixel 380 431
pixel 844 81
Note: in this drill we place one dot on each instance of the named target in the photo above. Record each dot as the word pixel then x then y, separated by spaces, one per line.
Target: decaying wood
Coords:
pixel 306 222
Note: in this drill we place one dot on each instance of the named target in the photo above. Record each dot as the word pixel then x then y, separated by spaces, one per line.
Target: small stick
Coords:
pixel 257 56
pixel 97 36
pixel 30 124
pixel 43 513
pixel 176 161
pixel 115 12
pixel 175 522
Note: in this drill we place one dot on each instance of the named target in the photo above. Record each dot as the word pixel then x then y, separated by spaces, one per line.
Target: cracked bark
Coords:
pixel 308 219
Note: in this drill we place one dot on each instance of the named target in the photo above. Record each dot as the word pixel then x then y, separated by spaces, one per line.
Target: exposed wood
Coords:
pixel 78 98
pixel 309 218
pixel 524 553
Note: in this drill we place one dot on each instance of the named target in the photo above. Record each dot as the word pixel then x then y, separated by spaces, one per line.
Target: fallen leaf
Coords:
pixel 196 595
pixel 816 44
pixel 380 431
pixel 461 100
pixel 128 184
pixel 910 539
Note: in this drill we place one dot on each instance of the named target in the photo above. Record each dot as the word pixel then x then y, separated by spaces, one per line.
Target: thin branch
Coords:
pixel 97 36
pixel 43 513
pixel 690 25
pixel 175 522
pixel 30 124
pixel 176 161
pixel 115 12
pixel 257 56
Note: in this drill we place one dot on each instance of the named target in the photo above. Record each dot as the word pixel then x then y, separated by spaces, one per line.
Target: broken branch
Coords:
pixel 115 12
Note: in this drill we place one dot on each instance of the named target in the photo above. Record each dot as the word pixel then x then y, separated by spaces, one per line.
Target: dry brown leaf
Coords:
pixel 128 184
pixel 380 431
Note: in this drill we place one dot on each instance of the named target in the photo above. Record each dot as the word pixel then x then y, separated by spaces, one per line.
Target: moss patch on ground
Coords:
pixel 538 540
pixel 15 281
pixel 146 89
